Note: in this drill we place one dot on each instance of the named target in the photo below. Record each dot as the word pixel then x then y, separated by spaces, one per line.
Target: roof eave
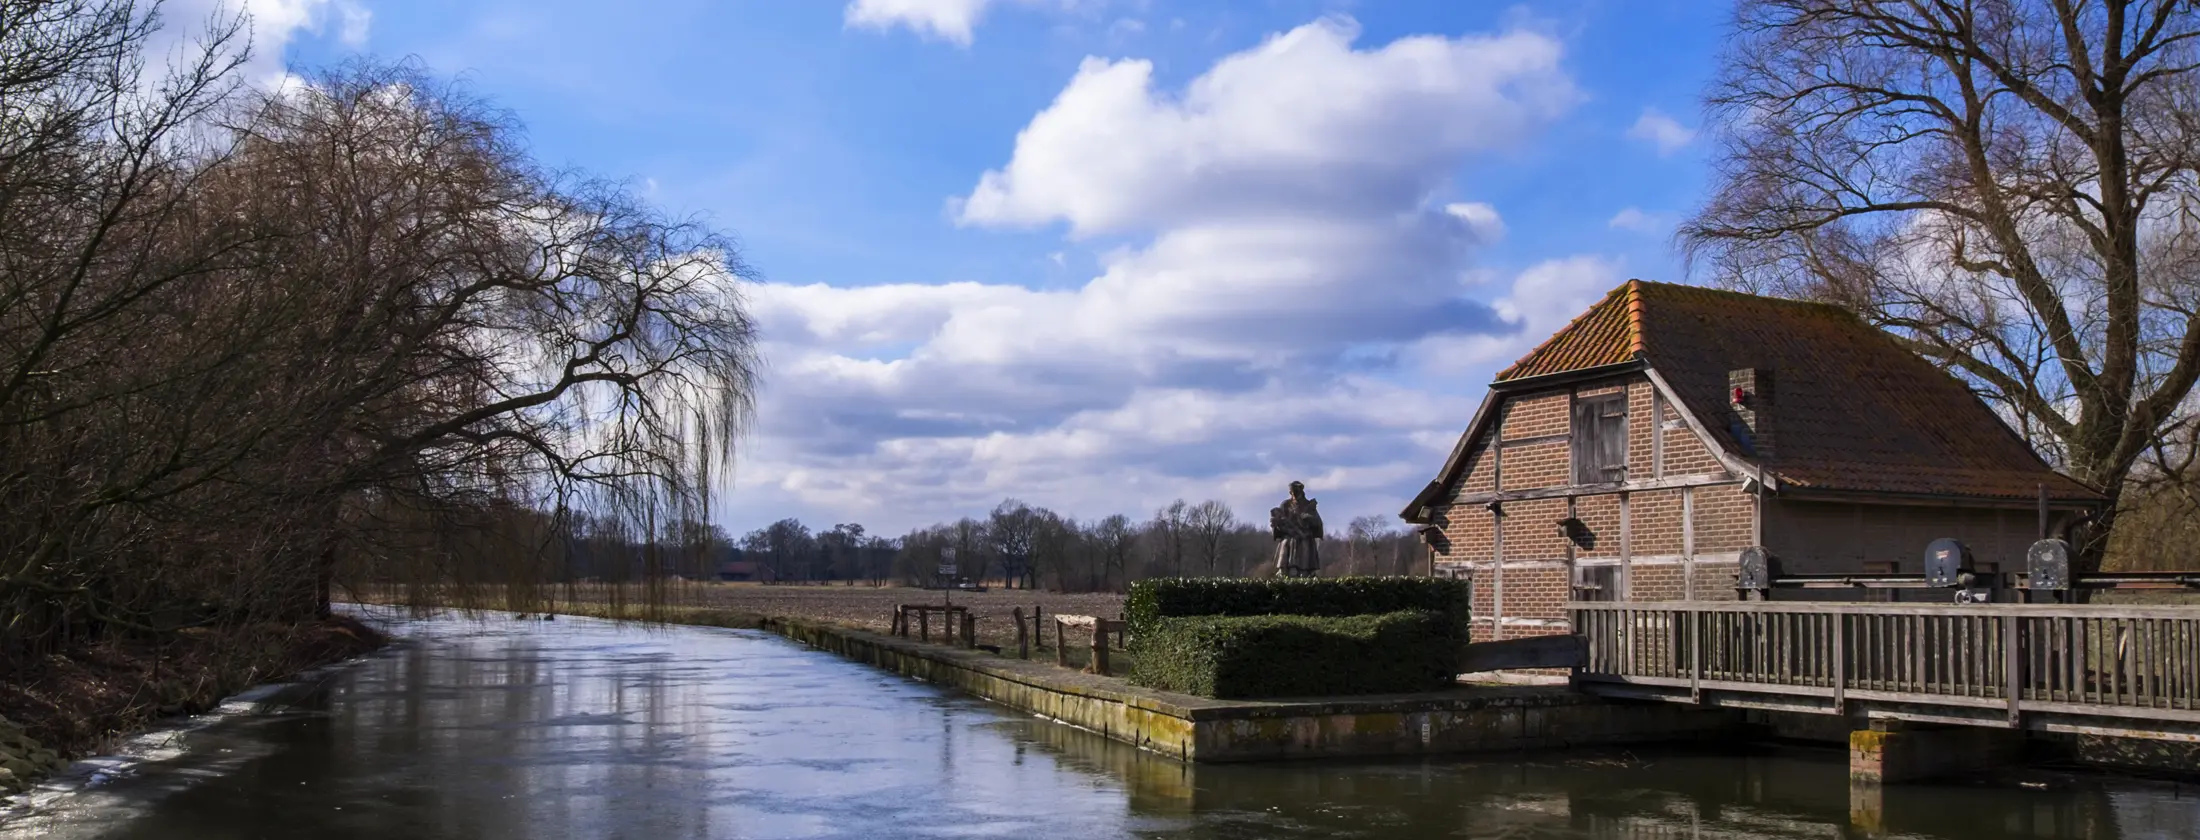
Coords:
pixel 1566 377
pixel 1805 493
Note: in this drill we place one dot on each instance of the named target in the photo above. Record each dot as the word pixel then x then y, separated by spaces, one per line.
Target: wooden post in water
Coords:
pixel 1023 641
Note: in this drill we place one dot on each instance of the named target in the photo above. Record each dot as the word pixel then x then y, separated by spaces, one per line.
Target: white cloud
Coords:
pixel 1302 120
pixel 1639 221
pixel 949 20
pixel 1539 302
pixel 1660 131
pixel 271 23
pixel 1287 213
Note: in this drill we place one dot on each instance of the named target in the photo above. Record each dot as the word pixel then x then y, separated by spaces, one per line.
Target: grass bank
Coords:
pixel 78 702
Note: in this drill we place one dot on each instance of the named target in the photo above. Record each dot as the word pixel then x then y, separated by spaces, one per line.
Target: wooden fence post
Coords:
pixel 1099 663
pixel 970 630
pixel 1061 653
pixel 1023 641
pixel 924 625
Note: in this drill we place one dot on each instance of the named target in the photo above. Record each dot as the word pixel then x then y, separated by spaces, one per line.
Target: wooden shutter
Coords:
pixel 1612 438
pixel 1584 444
pixel 1600 439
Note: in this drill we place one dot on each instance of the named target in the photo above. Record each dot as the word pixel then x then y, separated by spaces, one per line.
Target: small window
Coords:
pixel 1596 583
pixel 1600 439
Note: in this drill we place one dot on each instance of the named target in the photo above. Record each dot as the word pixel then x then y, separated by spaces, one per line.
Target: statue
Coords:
pixel 1296 525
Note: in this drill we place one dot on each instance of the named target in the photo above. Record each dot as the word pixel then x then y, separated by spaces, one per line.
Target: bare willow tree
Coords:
pixel 250 340
pixel 2006 186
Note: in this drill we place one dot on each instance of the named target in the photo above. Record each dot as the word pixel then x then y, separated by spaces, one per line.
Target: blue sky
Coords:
pixel 1100 254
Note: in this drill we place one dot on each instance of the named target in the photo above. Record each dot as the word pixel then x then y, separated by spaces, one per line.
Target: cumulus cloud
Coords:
pixel 272 24
pixel 954 21
pixel 1538 302
pixel 1287 217
pixel 1660 131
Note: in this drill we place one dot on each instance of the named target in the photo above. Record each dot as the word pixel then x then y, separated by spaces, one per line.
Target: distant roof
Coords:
pixel 1854 411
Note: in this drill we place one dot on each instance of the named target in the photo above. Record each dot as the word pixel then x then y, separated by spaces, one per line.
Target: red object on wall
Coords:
pixel 1739 397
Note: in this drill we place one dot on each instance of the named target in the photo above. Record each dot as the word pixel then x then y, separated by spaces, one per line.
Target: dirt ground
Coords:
pixel 873 608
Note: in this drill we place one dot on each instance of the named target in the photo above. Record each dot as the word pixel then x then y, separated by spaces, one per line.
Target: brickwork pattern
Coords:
pixel 1640 463
pixel 1536 593
pixel 1481 475
pixel 1601 515
pixel 1531 530
pixel 1725 519
pixel 1656 522
pixel 1662 582
pixel 1537 465
pixel 1534 415
pixel 1715 581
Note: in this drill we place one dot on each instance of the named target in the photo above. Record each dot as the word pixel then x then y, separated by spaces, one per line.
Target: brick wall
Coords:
pixel 1715 581
pixel 1534 415
pixel 1535 593
pixel 1659 582
pixel 1656 516
pixel 1481 471
pixel 1640 446
pixel 1601 515
pixel 1685 453
pixel 1725 519
pixel 1531 530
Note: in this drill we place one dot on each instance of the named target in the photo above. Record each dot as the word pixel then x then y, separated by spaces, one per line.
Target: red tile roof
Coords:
pixel 1853 410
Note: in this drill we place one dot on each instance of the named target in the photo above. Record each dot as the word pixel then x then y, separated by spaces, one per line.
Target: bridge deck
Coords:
pixel 2108 670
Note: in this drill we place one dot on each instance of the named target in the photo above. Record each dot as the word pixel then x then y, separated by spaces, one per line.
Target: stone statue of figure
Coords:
pixel 1297 527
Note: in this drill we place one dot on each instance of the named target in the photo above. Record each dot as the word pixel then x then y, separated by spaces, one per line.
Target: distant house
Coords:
pixel 1636 453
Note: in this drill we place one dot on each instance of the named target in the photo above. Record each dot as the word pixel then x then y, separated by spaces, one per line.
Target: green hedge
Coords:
pixel 1296 655
pixel 1151 601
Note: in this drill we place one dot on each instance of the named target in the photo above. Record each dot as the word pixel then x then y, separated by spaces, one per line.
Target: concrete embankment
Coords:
pixel 1460 720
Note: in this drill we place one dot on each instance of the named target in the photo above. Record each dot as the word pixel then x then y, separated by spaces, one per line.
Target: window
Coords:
pixel 1600 439
pixel 1596 583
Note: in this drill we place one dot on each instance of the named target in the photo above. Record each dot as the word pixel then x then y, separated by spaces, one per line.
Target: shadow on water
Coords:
pixel 584 729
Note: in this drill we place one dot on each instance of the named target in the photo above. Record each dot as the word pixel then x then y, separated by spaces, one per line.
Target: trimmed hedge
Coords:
pixel 1296 655
pixel 1151 601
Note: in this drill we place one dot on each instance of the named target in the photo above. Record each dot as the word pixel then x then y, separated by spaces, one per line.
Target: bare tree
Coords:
pixel 1165 539
pixel 1012 527
pixel 2006 186
pixel 1112 539
pixel 1207 528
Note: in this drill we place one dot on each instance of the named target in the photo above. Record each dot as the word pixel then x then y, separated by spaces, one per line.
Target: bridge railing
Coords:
pixel 2093 659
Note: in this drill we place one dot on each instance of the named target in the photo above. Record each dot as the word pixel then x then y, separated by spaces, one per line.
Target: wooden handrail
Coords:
pixel 2118 661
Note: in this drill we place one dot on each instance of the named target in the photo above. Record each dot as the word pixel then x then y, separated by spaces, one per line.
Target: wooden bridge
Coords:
pixel 2125 671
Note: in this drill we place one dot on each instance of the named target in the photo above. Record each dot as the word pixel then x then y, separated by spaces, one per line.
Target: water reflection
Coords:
pixel 581 729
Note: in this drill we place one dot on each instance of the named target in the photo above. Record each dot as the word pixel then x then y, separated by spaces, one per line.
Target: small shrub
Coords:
pixel 1161 598
pixel 1242 657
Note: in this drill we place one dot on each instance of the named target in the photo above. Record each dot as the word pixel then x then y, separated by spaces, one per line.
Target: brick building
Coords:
pixel 1637 452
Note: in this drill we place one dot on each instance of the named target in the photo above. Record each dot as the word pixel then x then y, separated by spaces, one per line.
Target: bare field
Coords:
pixel 863 607
pixel 872 608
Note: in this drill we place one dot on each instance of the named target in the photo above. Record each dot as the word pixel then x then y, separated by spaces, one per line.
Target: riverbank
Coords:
pixel 72 704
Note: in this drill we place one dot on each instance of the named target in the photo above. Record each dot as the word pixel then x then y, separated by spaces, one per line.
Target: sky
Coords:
pixel 1097 255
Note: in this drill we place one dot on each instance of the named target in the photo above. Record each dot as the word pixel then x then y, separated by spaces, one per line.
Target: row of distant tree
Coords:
pixel 1020 545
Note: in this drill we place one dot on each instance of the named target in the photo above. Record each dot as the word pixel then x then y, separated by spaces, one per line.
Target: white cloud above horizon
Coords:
pixel 1295 254
pixel 954 21
pixel 1662 132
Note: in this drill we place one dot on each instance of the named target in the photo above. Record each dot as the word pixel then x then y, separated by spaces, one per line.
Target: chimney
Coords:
pixel 1750 391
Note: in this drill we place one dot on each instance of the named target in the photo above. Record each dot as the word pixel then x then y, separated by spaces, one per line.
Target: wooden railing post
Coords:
pixel 1695 653
pixel 2012 664
pixel 1099 664
pixel 1023 641
pixel 970 630
pixel 1838 642
pixel 924 625
pixel 1061 651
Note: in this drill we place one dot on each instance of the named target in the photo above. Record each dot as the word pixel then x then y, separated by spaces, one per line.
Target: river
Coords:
pixel 584 729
